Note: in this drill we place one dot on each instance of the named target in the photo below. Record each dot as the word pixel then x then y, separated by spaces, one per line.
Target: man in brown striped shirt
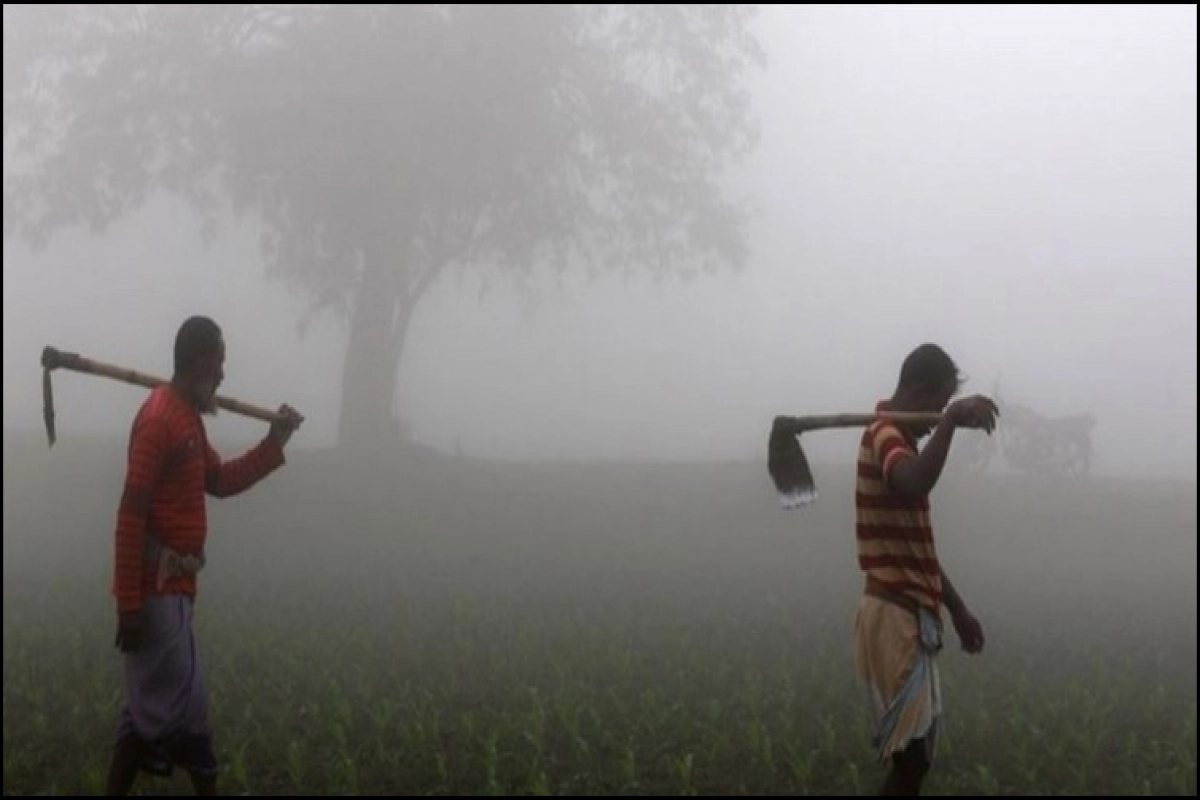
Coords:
pixel 899 621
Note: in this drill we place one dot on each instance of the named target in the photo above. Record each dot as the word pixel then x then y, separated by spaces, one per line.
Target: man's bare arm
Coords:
pixel 970 632
pixel 951 597
pixel 916 477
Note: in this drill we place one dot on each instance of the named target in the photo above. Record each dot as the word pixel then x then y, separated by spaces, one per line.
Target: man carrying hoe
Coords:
pixel 898 626
pixel 159 548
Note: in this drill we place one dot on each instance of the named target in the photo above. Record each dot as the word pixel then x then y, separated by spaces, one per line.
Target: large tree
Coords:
pixel 381 145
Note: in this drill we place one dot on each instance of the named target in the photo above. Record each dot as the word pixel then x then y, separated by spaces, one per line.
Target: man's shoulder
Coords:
pixel 880 431
pixel 162 413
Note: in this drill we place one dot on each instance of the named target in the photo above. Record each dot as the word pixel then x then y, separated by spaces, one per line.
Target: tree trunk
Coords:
pixel 377 332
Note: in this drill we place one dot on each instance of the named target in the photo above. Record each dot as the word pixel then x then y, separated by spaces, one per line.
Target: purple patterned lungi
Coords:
pixel 166 703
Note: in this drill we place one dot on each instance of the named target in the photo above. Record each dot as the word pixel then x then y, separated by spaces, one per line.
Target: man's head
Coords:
pixel 929 379
pixel 199 361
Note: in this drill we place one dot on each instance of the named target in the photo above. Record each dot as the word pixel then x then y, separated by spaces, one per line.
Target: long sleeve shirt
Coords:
pixel 171 467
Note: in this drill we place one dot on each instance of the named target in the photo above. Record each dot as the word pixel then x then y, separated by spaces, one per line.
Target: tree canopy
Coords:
pixel 380 145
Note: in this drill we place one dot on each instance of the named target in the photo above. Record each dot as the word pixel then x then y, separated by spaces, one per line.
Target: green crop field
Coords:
pixel 433 626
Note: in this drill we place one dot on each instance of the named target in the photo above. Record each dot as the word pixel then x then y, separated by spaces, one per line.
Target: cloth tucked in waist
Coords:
pixel 171 564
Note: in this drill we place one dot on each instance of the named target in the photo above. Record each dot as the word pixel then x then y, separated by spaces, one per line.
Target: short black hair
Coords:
pixel 198 337
pixel 928 367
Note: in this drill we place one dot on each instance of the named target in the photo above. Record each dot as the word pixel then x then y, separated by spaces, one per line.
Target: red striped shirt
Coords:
pixel 170 468
pixel 894 533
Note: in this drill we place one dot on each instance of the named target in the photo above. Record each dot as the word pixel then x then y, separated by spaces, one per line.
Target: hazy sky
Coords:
pixel 1016 183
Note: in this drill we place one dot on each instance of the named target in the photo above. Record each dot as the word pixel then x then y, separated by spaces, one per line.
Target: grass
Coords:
pixel 452 628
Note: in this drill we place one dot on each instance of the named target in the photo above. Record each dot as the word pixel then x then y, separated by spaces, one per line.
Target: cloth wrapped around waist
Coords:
pixel 896 644
pixel 170 563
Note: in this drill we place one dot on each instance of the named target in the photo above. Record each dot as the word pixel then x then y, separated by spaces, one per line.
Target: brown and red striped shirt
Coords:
pixel 170 469
pixel 894 533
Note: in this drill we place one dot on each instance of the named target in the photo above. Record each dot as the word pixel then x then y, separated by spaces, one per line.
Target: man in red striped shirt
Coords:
pixel 159 544
pixel 899 620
